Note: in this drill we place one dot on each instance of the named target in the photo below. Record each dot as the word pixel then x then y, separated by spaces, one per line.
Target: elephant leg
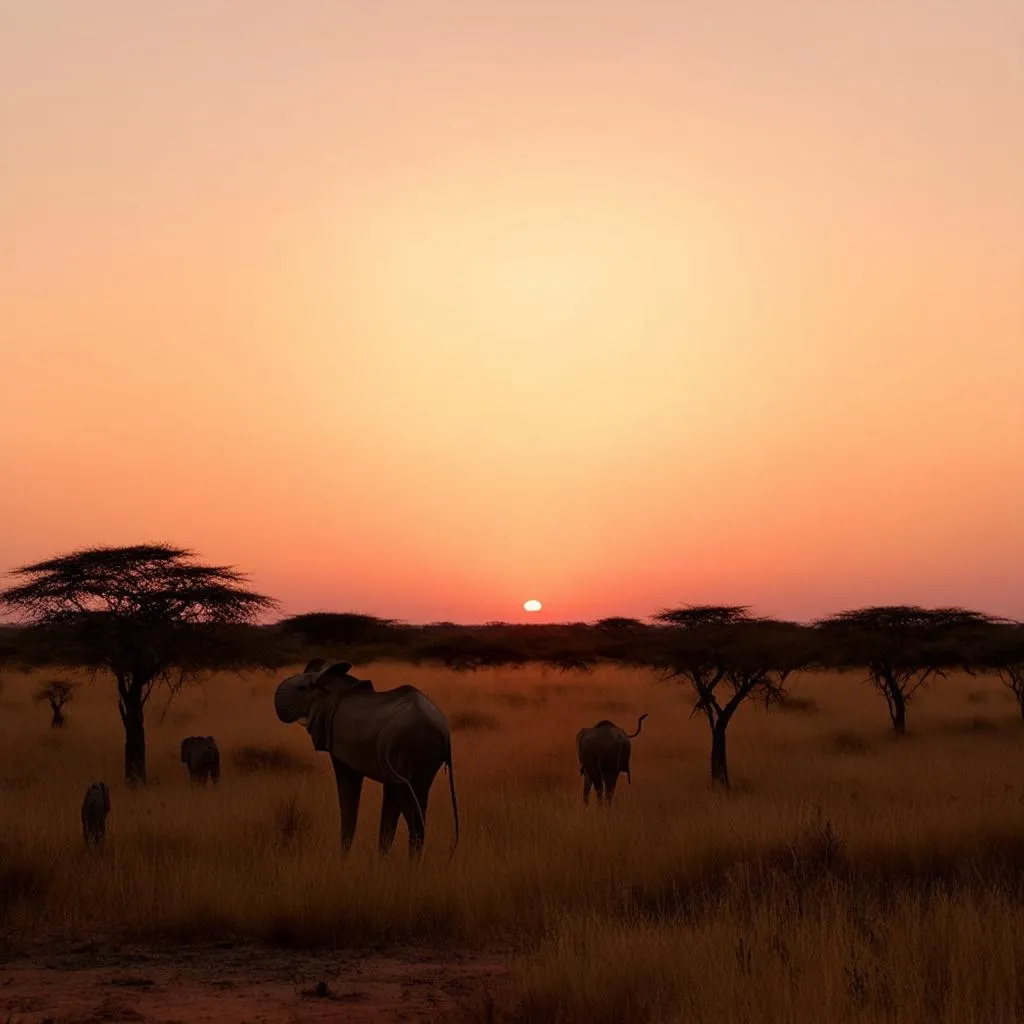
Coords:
pixel 599 788
pixel 390 808
pixel 587 786
pixel 350 787
pixel 415 813
pixel 610 781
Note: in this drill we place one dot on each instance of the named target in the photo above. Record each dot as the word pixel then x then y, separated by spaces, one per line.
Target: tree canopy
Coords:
pixel 143 612
pixel 903 647
pixel 727 657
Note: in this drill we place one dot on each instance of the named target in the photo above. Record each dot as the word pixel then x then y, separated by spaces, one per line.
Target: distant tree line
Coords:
pixel 151 615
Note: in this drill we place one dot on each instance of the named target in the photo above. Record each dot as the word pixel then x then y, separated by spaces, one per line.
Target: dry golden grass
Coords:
pixel 848 877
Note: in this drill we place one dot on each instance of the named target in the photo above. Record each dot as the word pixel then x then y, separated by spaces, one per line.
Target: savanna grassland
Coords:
pixel 848 876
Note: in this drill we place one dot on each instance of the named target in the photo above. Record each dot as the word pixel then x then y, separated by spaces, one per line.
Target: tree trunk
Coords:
pixel 719 763
pixel 57 719
pixel 898 711
pixel 134 740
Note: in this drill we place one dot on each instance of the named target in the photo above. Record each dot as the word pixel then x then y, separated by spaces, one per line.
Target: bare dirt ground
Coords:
pixel 87 984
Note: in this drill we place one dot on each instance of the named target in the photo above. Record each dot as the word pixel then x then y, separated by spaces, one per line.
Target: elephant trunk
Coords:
pixel 289 702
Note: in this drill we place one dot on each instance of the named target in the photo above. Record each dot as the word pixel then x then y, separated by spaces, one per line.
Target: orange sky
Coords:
pixel 423 309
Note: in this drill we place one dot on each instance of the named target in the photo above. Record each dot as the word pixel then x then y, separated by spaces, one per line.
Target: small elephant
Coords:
pixel 603 751
pixel 201 756
pixel 398 738
pixel 95 808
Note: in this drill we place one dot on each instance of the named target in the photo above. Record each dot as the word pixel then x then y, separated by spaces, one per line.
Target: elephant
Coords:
pixel 603 751
pixel 201 755
pixel 95 808
pixel 398 738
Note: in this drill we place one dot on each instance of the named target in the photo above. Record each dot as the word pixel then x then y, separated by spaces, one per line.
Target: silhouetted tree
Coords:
pixel 618 624
pixel 340 627
pixel 57 693
pixel 9 649
pixel 1001 650
pixel 903 648
pixel 149 613
pixel 728 657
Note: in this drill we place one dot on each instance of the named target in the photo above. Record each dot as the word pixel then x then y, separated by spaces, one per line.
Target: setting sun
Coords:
pixel 532 605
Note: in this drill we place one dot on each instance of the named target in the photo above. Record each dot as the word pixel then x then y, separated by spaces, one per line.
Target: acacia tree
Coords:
pixel 903 647
pixel 728 657
pixel 56 693
pixel 148 613
pixel 341 628
pixel 1001 650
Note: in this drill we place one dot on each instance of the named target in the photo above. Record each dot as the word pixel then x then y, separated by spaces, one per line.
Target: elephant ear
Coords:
pixel 319 725
pixel 185 745
pixel 315 665
pixel 321 717
pixel 339 670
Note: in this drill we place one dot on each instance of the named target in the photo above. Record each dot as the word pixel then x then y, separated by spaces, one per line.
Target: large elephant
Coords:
pixel 201 756
pixel 603 751
pixel 398 738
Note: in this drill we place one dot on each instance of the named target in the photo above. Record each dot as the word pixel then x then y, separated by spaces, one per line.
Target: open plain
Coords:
pixel 848 876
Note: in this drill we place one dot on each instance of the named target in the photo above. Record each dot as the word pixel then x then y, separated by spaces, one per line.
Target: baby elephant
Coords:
pixel 95 808
pixel 201 756
pixel 603 751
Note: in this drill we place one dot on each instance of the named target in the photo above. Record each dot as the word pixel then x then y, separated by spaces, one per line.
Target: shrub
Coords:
pixel 474 721
pixel 787 702
pixel 251 759
pixel 850 743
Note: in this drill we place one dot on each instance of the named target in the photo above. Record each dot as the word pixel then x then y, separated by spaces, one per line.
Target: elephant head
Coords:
pixel 310 697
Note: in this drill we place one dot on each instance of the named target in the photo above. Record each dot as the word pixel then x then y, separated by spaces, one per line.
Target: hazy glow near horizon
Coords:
pixel 411 309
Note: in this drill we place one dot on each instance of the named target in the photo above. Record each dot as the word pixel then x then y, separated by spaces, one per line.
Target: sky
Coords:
pixel 423 308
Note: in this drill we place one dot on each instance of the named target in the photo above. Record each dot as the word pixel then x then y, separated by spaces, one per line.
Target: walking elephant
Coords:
pixel 398 738
pixel 201 755
pixel 603 751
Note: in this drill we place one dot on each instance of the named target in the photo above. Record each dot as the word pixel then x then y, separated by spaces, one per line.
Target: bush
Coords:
pixel 850 743
pixel 251 759
pixel 473 721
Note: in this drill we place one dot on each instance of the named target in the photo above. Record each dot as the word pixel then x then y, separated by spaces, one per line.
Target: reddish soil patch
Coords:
pixel 245 985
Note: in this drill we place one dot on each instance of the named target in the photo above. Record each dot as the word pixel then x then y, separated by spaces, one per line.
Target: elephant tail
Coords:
pixel 455 803
pixel 639 726
pixel 408 785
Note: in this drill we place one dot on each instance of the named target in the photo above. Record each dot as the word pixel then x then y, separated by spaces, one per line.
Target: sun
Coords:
pixel 533 605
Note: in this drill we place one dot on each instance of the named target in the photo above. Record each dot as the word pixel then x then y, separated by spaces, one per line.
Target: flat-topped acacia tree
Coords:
pixel 149 613
pixel 1000 649
pixel 903 647
pixel 728 657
